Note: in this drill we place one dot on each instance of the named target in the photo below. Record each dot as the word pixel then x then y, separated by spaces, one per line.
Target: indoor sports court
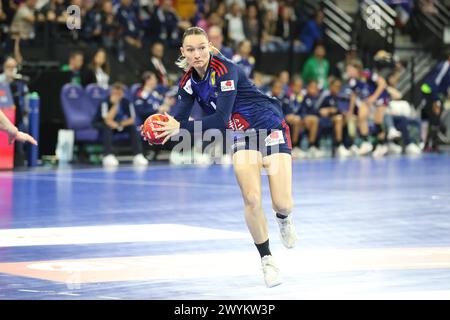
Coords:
pixel 368 229
pixel 225 150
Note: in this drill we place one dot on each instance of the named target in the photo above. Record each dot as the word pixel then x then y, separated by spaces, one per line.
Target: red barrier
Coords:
pixel 6 150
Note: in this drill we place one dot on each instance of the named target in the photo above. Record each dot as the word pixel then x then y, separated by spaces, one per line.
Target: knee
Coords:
pixel 283 207
pixel 252 201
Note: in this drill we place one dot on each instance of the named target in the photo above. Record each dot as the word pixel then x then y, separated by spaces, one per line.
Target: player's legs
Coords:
pixel 296 123
pixel 338 126
pixel 381 148
pixel 363 126
pixel 312 125
pixel 279 170
pixel 247 168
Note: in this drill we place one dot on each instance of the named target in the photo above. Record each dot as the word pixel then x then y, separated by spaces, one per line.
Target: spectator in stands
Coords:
pixel 368 91
pixel 116 114
pixel 272 6
pixel 285 29
pixel 317 68
pixel 157 64
pixel 258 80
pixel 284 77
pixel 91 32
pixel 54 12
pixel 244 58
pixel 216 37
pixel 292 119
pixel 166 25
pixel 252 26
pixel 22 27
pixel 269 41
pixel 312 32
pixel 235 25
pixel 397 117
pixel 130 28
pixel 428 7
pixel 22 24
pixel 109 25
pixel 309 113
pixel 75 66
pixel 98 70
pixel 330 116
pixel 340 68
pixel 214 20
pixel 148 100
pixel 434 90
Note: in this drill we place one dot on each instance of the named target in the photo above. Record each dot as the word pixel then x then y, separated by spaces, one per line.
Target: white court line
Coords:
pixel 112 234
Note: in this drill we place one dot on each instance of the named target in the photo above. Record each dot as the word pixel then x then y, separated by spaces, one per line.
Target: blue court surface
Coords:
pixel 368 229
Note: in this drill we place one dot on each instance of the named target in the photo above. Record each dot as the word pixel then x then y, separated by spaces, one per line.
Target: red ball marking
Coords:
pixel 149 126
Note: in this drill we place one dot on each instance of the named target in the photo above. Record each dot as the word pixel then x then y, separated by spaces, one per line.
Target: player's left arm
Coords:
pixel 227 90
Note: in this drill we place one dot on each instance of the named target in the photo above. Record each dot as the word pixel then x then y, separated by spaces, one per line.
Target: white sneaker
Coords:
pixel 315 153
pixel 271 272
pixel 413 149
pixel 110 161
pixel 354 150
pixel 288 235
pixel 394 148
pixel 298 153
pixel 380 151
pixel 393 134
pixel 140 161
pixel 342 152
pixel 365 148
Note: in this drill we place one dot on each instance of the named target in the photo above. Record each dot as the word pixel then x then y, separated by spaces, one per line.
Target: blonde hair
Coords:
pixel 181 61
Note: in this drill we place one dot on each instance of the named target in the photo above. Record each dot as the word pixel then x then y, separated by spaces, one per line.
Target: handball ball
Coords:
pixel 149 126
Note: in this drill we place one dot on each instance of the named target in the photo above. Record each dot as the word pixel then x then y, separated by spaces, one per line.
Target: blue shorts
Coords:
pixel 268 141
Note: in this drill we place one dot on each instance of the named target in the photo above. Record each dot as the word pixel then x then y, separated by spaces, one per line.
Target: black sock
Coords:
pixel 364 138
pixel 281 216
pixel 263 248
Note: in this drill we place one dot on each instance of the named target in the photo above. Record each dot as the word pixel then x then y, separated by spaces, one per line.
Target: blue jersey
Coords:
pixel 295 101
pixel 228 98
pixel 125 110
pixel 147 103
pixel 365 86
pixel 439 79
pixel 247 64
pixel 327 100
pixel 309 106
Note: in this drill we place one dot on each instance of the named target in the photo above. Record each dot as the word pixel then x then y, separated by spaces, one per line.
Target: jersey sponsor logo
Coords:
pixel 227 85
pixel 187 87
pixel 274 138
pixel 237 122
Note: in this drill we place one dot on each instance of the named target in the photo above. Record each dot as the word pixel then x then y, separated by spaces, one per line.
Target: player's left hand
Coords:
pixel 167 129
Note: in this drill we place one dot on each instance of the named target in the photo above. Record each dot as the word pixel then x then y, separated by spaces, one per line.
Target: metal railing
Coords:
pixel 338 24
